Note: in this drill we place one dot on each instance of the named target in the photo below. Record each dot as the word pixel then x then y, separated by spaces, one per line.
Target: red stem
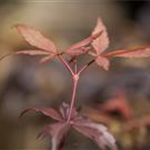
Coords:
pixel 75 66
pixel 75 75
pixel 86 66
pixel 65 64
pixel 75 82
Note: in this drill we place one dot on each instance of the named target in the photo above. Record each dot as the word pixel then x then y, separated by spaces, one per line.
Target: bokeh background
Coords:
pixel 119 98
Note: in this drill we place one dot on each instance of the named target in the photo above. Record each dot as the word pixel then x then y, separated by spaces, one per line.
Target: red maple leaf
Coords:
pixel 97 41
pixel 101 43
pixel 47 48
pixel 95 131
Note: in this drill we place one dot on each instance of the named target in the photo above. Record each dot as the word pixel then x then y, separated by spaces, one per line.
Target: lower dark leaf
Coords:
pixel 57 132
pixel 96 132
pixel 49 112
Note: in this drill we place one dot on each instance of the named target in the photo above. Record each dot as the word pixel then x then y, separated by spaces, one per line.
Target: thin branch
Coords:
pixel 86 66
pixel 75 66
pixel 65 64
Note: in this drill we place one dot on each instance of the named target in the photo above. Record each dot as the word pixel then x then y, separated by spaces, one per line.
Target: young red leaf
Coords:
pixel 35 38
pixel 96 132
pixel 49 112
pixel 103 62
pixel 139 52
pixel 102 42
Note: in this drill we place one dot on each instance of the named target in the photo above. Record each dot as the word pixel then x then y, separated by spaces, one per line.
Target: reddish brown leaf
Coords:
pixel 35 38
pixel 102 42
pixel 49 112
pixel 96 132
pixel 103 62
pixel 57 132
pixel 32 52
pixel 140 52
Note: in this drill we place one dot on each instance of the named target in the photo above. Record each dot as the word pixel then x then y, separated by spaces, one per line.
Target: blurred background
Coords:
pixel 119 98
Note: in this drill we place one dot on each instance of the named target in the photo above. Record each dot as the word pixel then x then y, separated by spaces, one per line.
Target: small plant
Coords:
pixel 67 116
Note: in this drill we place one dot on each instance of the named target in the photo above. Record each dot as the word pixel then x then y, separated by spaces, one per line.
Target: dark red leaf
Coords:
pixel 96 132
pixel 35 38
pixel 102 42
pixel 57 132
pixel 49 112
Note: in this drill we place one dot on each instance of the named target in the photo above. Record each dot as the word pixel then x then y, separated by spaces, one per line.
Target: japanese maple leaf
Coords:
pixel 58 131
pixel 47 48
pixel 101 43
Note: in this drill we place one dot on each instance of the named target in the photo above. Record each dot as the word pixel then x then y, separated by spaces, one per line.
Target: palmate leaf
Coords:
pixel 49 112
pixel 140 52
pixel 35 38
pixel 98 39
pixel 96 132
pixel 101 43
pixel 58 131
